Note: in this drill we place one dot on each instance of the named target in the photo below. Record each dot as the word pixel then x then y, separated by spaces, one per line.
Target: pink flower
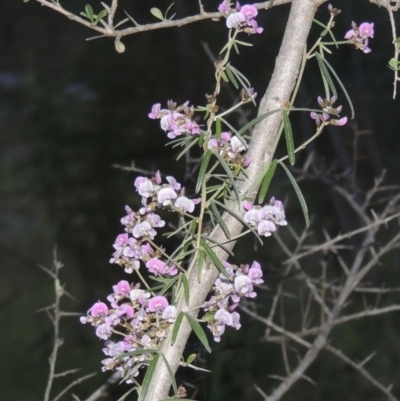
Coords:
pixel 155 266
pixel 224 7
pixel 155 111
pixel 157 304
pixel 235 20
pixel 359 36
pixel 184 204
pixel 166 196
pixel 340 122
pixel 99 309
pixel 249 12
pixel 247 205
pixel 122 288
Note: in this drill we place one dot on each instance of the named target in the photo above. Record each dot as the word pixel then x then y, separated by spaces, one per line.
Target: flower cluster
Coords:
pixel 241 17
pixel 359 35
pixel 227 293
pixel 142 225
pixel 176 120
pixel 230 148
pixel 327 109
pixel 266 218
pixel 136 320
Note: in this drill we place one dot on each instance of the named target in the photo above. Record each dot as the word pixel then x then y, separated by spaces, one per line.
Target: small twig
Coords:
pixel 360 369
pixel 102 390
pixel 73 384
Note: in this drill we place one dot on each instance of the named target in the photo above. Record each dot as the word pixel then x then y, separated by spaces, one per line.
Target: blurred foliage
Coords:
pixel 70 109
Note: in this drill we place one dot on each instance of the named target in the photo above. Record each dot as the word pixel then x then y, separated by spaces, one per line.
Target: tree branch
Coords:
pixel 260 153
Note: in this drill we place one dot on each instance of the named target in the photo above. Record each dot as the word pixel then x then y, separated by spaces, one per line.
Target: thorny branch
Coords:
pixel 55 314
pixel 326 297
pixel 109 30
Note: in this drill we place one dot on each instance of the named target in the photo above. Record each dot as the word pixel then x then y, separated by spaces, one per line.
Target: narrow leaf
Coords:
pixel 218 129
pixel 171 374
pixel 157 13
pixel 233 129
pixel 185 284
pixel 176 328
pixel 192 143
pixel 267 181
pixel 256 120
pixel 219 245
pixel 341 85
pixel 287 127
pixel 138 352
pixel 168 285
pixel 243 43
pixel 228 171
pixel 298 193
pixel 147 378
pixel 220 220
pixel 198 330
pixel 203 170
pixel 200 263
pixel 325 74
pixel 190 358
pixel 213 258
pixel 231 76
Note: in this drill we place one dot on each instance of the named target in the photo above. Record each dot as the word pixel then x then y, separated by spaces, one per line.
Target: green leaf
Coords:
pixel 218 128
pixel 220 220
pixel 190 358
pixel 298 193
pixel 101 15
pixel 230 175
pixel 166 12
pixel 176 328
pixel 157 13
pixel 169 283
pixel 219 245
pixel 25 1
pixel 171 374
pixel 198 330
pixel 224 76
pixel 193 142
pixel 243 43
pixel 234 130
pixel 147 377
pixel 256 120
pixel 267 181
pixel 397 40
pixel 341 85
pixel 325 75
pixel 231 76
pixel 89 12
pixel 203 170
pixel 213 258
pixel 394 64
pixel 138 352
pixel 287 127
pixel 185 284
pixel 200 263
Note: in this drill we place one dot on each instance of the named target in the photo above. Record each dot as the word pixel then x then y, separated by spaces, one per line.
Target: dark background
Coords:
pixel 71 108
